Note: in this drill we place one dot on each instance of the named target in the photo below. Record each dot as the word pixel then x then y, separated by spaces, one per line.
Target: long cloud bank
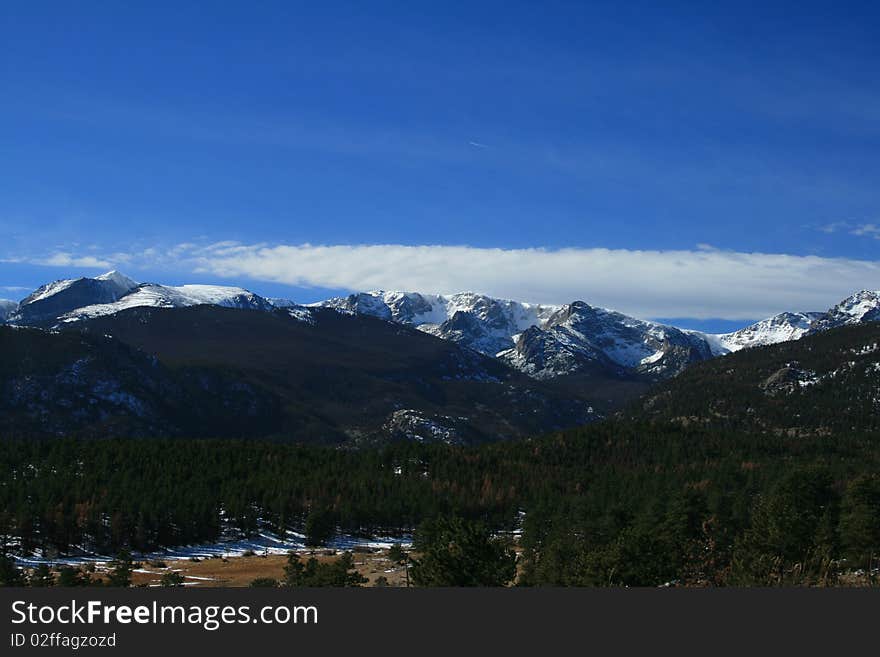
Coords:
pixel 703 283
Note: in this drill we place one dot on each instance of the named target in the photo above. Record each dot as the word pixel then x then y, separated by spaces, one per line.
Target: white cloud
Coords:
pixel 703 283
pixel 834 227
pixel 860 230
pixel 867 230
pixel 68 260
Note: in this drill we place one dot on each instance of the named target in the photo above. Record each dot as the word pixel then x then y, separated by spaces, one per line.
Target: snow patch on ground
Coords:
pixel 262 543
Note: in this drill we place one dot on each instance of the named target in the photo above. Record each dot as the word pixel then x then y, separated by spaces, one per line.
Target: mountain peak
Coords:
pixel 119 279
pixel 863 306
pixel 783 327
pixel 114 275
pixel 474 320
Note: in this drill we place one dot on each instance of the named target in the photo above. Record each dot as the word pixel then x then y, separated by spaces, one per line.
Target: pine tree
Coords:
pixel 396 553
pixel 459 552
pixel 339 573
pixel 791 530
pixel 264 582
pixel 69 576
pixel 171 579
pixel 860 521
pixel 10 574
pixel 121 569
pixel 41 576
pixel 320 527
pixel 294 570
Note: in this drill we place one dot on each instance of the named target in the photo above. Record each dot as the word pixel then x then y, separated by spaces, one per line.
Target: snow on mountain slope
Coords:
pixel 85 298
pixel 278 302
pixel 54 299
pixel 300 313
pixel 295 310
pixel 48 290
pixel 863 306
pixel 112 281
pixel 548 354
pixel 543 341
pixel 779 328
pixel 579 337
pixel 474 320
pixel 163 296
pixel 7 308
pixel 122 282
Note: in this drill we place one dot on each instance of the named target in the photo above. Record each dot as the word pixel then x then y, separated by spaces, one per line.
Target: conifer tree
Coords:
pixel 319 528
pixel 459 552
pixel 69 576
pixel 121 569
pixel 10 574
pixel 860 521
pixel 41 576
pixel 171 579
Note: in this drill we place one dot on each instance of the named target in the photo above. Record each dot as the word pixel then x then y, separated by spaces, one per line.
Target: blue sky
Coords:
pixel 685 130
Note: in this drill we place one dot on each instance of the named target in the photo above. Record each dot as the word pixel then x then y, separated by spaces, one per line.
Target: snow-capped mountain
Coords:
pixel 863 306
pixel 580 337
pixel 543 341
pixel 779 328
pixel 473 320
pixel 55 299
pixel 548 341
pixel 72 300
pixel 7 308
pixel 164 296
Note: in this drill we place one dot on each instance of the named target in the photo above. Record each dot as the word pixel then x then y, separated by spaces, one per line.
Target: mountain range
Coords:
pixel 542 341
pixel 111 356
pixel 100 357
pixel 514 331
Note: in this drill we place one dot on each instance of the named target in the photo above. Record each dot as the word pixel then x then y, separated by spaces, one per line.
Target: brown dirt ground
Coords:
pixel 241 571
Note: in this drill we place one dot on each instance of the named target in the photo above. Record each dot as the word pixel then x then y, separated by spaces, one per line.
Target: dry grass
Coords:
pixel 241 571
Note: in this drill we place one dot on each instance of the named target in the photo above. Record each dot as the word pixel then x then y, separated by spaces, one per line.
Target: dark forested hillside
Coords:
pixel 56 384
pixel 355 379
pixel 218 372
pixel 822 384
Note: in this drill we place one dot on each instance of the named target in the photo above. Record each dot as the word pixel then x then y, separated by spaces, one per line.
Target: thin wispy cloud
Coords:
pixel 69 260
pixel 867 230
pixel 859 230
pixel 833 227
